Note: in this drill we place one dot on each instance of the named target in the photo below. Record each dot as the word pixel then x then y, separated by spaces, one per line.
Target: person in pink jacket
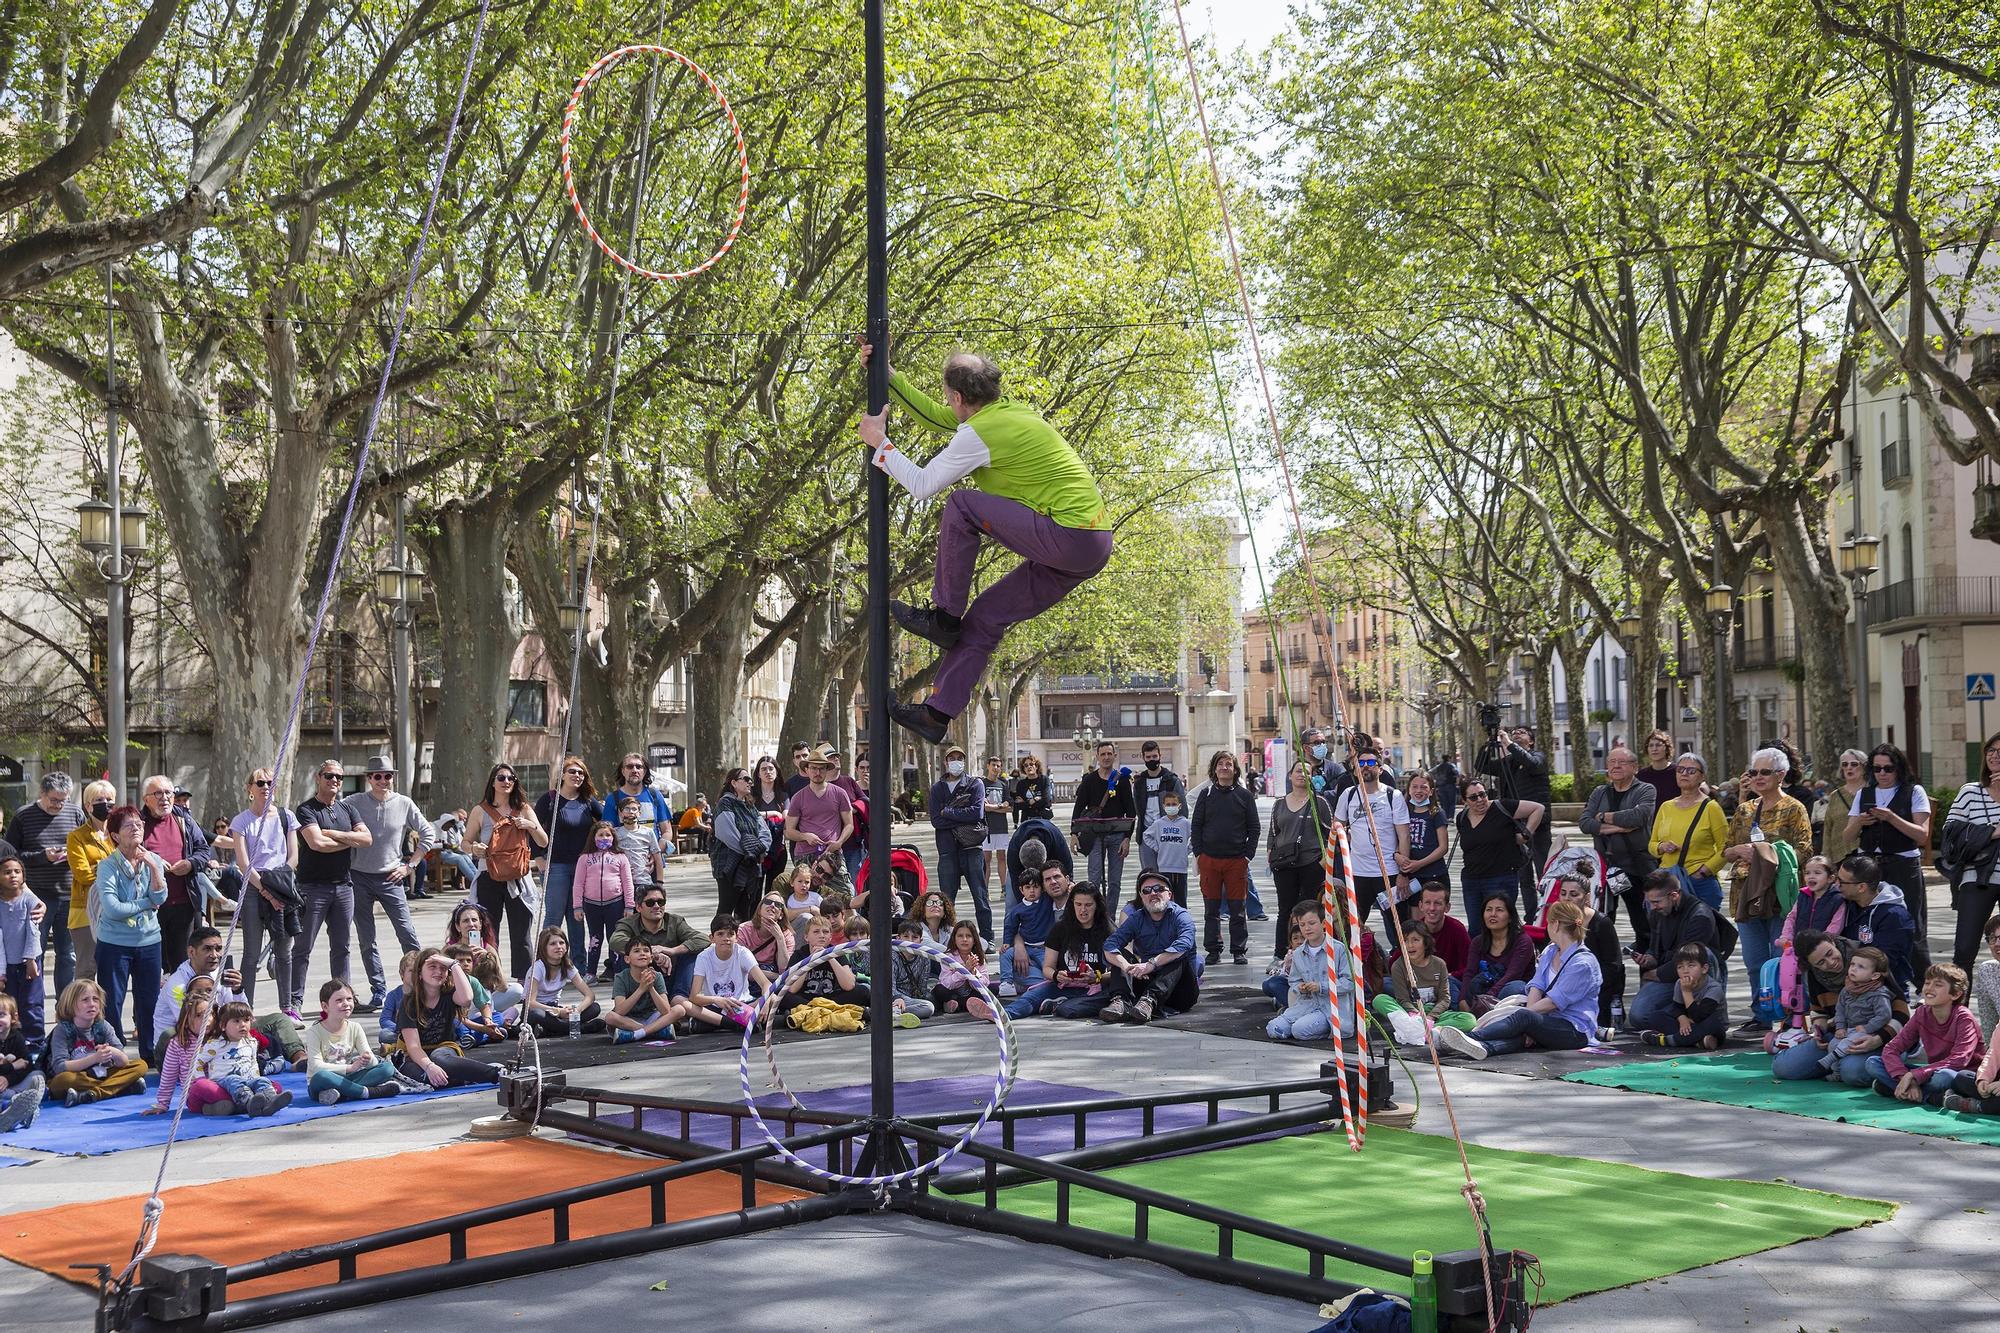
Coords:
pixel 1945 1029
pixel 603 890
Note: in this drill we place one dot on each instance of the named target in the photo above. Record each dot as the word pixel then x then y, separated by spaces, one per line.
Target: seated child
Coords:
pixel 954 992
pixel 1945 1032
pixel 1695 1005
pixel 1419 983
pixel 390 1030
pixel 641 1009
pixel 503 998
pixel 801 899
pixel 478 1026
pixel 1977 1092
pixel 836 906
pixel 21 1087
pixel 1859 1016
pixel 551 974
pixel 856 930
pixel 1309 1012
pixel 87 1059
pixel 724 974
pixel 341 1066
pixel 1024 936
pixel 180 1050
pixel 230 1058
pixel 1277 976
pixel 832 979
pixel 912 976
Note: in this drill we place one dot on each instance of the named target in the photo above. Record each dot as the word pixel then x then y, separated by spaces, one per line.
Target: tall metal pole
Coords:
pixel 400 615
pixel 115 572
pixel 881 1011
pixel 1861 654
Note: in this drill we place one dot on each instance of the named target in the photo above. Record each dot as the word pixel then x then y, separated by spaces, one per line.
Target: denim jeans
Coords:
pixel 120 966
pixel 1652 1006
pixel 1514 1029
pixel 372 890
pixel 241 1089
pixel 556 885
pixel 55 934
pixel 1800 1061
pixel 1707 888
pixel 1756 946
pixel 1278 988
pixel 1032 999
pixel 1253 901
pixel 852 856
pixel 1878 1072
pixel 1477 891
pixel 351 1087
pixel 600 919
pixel 254 914
pixel 333 905
pixel 1308 1020
pixel 463 864
pixel 957 863
pixel 1007 972
pixel 1107 866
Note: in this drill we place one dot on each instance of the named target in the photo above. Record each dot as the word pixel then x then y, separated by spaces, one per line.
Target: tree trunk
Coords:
pixel 1542 681
pixel 1574 648
pixel 467 561
pixel 812 674
pixel 717 673
pixel 1819 619
pixel 1713 708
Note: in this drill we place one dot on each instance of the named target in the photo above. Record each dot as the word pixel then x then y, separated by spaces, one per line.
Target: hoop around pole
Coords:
pixel 604 64
pixel 1003 1081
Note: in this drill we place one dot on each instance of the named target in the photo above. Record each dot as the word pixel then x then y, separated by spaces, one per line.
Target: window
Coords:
pixel 1146 715
pixel 534 780
pixel 1909 554
pixel 527 703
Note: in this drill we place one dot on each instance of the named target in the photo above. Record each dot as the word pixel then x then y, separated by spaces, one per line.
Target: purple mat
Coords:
pixel 1033 1138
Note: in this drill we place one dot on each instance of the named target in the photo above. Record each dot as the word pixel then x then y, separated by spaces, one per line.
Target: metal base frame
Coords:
pixel 187 1293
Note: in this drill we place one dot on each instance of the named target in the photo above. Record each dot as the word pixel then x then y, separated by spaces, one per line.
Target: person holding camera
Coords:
pixel 1524 777
pixel 1495 838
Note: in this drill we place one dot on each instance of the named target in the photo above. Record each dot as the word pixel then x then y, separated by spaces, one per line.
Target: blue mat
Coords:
pixel 116 1125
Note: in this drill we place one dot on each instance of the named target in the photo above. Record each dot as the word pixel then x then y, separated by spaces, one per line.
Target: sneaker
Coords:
pixel 76 1097
pixel 1142 1012
pixel 1952 1102
pixel 374 1006
pixel 623 1036
pixel 1115 1012
pixel 331 1096
pixel 922 719
pixel 906 1019
pixel 1008 990
pixel 1458 1043
pixel 258 1105
pixel 277 1064
pixel 1652 1038
pixel 277 1101
pixel 1239 959
pixel 939 627
pixel 979 1009
pixel 1212 957
pixel 408 1084
pixel 1754 1027
pixel 26 1104
pixel 1605 1036
pixel 390 1089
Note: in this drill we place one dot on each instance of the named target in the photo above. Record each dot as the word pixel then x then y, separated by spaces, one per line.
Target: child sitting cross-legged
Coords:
pixel 856 930
pixel 1977 1091
pixel 1419 983
pixel 21 1088
pixel 832 979
pixel 230 1058
pixel 1694 1005
pixel 1945 1032
pixel 913 976
pixel 724 973
pixel 1278 975
pixel 87 1059
pixel 548 978
pixel 1024 936
pixel 954 992
pixel 641 1009
pixel 1860 1016
pixel 1308 1013
pixel 341 1063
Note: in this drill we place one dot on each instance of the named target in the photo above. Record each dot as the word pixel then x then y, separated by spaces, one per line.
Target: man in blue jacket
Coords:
pixel 957 808
pixel 1880 916
pixel 1151 956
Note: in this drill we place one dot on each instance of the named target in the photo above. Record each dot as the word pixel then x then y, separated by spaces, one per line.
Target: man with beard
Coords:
pixel 1151 957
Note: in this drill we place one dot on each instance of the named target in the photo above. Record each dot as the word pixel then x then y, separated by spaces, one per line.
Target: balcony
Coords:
pixel 1295 656
pixel 1896 464
pixel 358 708
pixel 669 699
pixel 1320 667
pixel 1267 721
pixel 1761 654
pixel 1354 645
pixel 1114 681
pixel 1266 665
pixel 1969 598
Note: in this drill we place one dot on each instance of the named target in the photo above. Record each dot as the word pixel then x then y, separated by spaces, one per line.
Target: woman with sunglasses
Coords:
pixel 1763 814
pixel 767 936
pixel 1891 821
pixel 503 833
pixel 742 841
pixel 1835 841
pixel 267 856
pixel 568 813
pixel 1491 841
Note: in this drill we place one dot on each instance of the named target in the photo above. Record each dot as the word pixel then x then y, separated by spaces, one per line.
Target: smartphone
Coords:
pixel 229 962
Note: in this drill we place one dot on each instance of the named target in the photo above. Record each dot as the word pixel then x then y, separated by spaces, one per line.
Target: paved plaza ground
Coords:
pixel 1931 1267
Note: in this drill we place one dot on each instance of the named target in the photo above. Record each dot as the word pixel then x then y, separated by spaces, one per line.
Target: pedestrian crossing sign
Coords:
pixel 1979 688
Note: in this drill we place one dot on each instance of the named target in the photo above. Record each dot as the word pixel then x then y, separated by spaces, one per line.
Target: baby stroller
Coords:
pixel 907 878
pixel 1565 863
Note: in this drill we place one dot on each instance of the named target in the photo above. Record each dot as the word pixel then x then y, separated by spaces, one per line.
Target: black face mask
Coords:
pixel 100 810
pixel 1152 764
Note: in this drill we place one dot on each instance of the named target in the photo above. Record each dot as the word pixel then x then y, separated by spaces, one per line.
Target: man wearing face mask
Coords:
pixel 1151 956
pixel 1151 787
pixel 1319 752
pixel 957 807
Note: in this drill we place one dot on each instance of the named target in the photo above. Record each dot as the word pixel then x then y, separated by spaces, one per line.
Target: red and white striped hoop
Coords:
pixel 590 75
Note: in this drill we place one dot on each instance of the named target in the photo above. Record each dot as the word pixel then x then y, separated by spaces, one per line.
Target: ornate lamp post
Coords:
pixel 400 585
pixel 1720 602
pixel 113 535
pixel 1856 558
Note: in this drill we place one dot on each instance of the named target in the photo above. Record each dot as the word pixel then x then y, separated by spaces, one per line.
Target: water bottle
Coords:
pixel 575 1022
pixel 1423 1294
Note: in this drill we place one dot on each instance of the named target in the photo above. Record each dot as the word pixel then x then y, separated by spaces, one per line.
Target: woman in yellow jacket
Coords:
pixel 1690 833
pixel 88 844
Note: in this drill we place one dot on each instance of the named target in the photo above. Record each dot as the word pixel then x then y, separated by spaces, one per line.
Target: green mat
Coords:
pixel 1745 1079
pixel 1594 1225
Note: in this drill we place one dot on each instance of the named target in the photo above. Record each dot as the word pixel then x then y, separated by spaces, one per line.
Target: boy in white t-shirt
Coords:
pixel 723 976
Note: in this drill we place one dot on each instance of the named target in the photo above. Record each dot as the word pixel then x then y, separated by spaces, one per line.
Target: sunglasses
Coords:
pixel 503 777
pixel 1883 768
pixel 380 777
pixel 1154 891
pixel 1763 772
pixel 1368 763
pixel 1475 796
pixel 260 782
pixel 660 902
pixel 331 777
pixel 774 902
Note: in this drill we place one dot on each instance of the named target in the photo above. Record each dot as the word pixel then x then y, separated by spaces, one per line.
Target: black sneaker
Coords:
pixel 940 627
pixel 924 720
pixel 1240 959
pixel 374 1006
pixel 1213 957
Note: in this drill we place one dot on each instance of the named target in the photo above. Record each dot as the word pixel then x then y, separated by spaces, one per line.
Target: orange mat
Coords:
pixel 234 1221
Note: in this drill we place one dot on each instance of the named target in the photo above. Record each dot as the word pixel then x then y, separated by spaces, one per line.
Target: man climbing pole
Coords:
pixel 1031 493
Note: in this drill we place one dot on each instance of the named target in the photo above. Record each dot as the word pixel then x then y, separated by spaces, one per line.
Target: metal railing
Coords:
pixel 1896 462
pixel 1762 653
pixel 1971 597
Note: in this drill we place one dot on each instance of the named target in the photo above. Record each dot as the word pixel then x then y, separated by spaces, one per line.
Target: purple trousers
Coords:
pixel 1055 559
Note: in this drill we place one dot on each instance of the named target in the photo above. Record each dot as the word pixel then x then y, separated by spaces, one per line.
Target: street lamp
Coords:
pixel 1719 601
pixel 569 614
pixel 114 537
pixel 1856 559
pixel 1984 377
pixel 1086 736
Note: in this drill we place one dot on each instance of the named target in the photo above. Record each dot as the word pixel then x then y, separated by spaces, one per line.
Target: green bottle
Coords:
pixel 1423 1294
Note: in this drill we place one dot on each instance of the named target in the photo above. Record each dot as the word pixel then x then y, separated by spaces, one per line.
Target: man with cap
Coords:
pixel 1151 956
pixel 819 818
pixel 957 807
pixel 380 869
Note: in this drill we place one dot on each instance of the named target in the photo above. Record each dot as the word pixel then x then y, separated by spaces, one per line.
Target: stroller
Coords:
pixel 907 879
pixel 1566 862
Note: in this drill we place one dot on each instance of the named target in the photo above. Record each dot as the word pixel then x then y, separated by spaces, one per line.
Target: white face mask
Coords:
pixel 1170 812
pixel 955 767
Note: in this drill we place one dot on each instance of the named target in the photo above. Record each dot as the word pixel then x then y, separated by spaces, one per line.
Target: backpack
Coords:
pixel 1769 1006
pixel 508 851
